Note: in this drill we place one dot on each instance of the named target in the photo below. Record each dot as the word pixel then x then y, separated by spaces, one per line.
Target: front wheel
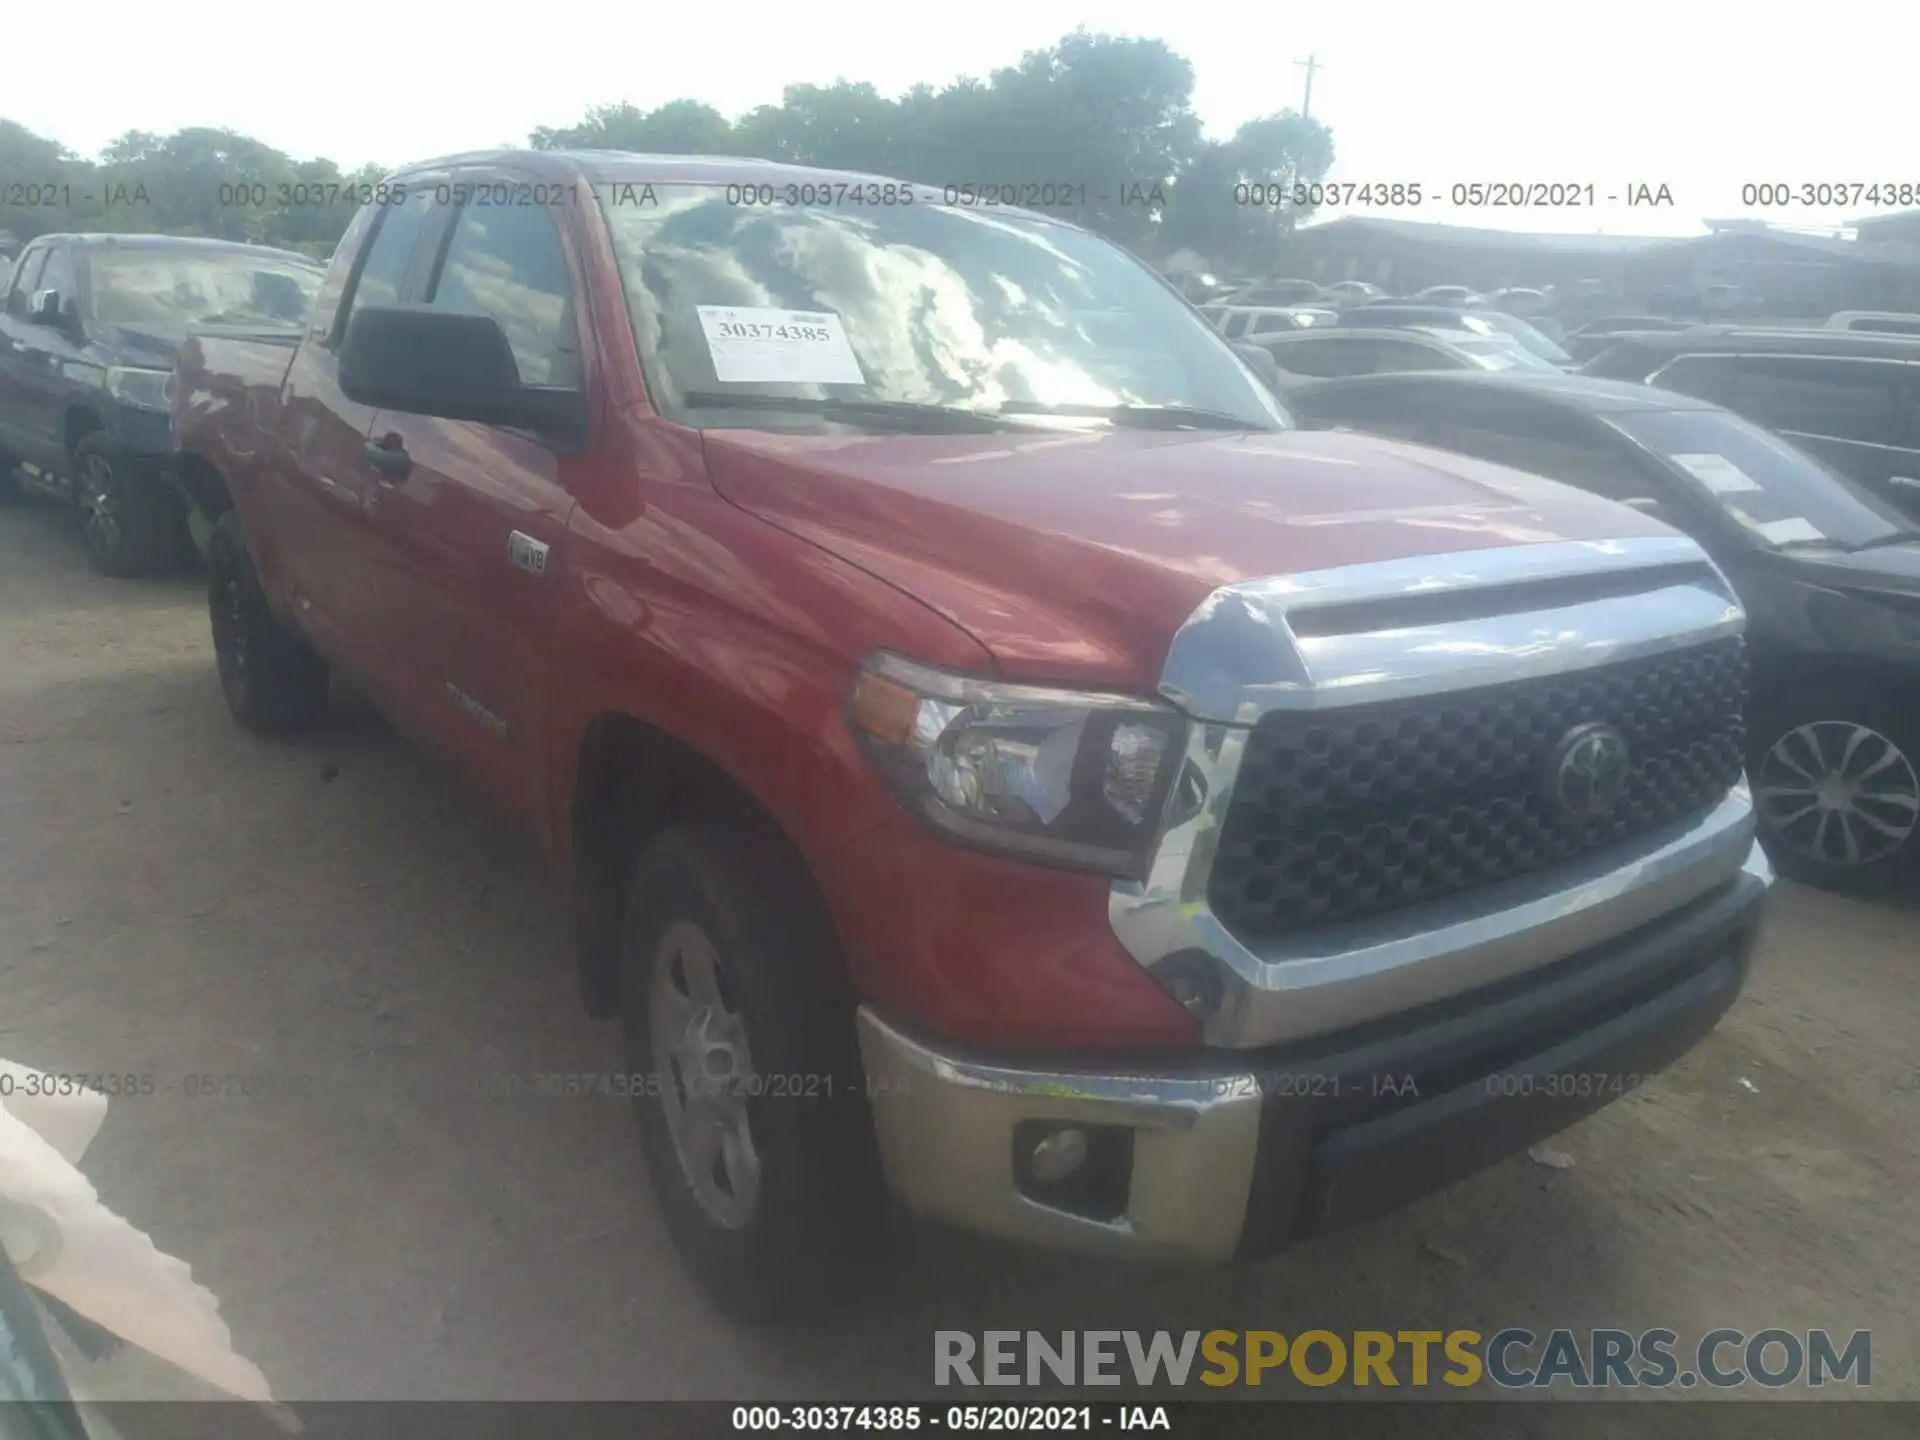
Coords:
pixel 1836 785
pixel 747 1080
pixel 130 516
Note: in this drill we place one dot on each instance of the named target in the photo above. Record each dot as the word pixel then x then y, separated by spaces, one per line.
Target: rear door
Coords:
pixel 13 333
pixel 470 536
pixel 44 365
pixel 317 499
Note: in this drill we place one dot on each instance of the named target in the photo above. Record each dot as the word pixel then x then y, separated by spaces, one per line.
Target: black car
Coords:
pixel 1851 398
pixel 89 331
pixel 1829 575
pixel 1598 335
pixel 1475 320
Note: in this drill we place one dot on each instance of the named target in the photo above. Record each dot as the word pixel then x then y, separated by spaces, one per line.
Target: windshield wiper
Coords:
pixel 945 418
pixel 1143 417
pixel 1897 537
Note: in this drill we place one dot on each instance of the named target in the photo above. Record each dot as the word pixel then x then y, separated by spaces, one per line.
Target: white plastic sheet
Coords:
pixel 69 1245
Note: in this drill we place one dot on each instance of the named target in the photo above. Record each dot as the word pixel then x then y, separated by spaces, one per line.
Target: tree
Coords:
pixel 1236 227
pixel 680 127
pixel 1095 128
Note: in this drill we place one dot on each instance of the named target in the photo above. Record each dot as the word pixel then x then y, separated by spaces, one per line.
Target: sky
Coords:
pixel 1700 97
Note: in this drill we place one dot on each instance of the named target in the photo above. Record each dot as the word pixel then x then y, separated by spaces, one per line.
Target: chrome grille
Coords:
pixel 1342 814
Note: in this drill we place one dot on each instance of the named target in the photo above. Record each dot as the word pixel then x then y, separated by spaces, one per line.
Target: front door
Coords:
pixel 472 522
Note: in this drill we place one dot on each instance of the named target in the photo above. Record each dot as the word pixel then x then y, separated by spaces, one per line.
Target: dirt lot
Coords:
pixel 177 897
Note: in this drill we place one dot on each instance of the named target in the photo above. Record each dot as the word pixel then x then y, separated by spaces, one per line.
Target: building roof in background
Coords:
pixel 1467 235
pixel 1724 237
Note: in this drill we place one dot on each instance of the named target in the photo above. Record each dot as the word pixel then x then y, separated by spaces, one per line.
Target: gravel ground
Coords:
pixel 177 898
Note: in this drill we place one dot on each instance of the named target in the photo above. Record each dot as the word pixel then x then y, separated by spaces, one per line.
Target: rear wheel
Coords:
pixel 1837 787
pixel 751 1103
pixel 130 515
pixel 272 679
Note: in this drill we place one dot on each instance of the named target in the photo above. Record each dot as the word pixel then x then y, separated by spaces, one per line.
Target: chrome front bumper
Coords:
pixel 1234 1153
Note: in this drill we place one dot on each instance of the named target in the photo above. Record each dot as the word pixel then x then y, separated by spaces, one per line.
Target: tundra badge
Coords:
pixel 527 553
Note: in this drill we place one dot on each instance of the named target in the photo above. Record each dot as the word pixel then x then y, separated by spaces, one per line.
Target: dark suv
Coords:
pixel 88 335
pixel 1851 398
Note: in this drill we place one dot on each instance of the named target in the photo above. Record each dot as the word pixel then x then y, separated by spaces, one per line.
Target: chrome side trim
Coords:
pixel 945 1128
pixel 1238 657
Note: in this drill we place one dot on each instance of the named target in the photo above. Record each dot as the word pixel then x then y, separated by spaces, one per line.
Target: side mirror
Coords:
pixel 426 361
pixel 48 308
pixel 1260 360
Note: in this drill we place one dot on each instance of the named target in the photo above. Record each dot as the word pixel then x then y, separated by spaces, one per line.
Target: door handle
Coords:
pixel 389 457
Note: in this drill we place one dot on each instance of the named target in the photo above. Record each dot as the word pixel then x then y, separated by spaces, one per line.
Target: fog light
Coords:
pixel 1192 978
pixel 1059 1156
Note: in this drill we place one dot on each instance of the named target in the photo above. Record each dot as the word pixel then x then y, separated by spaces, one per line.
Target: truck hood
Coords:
pixel 1075 556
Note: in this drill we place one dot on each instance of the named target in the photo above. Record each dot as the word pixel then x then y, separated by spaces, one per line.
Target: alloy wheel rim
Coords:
pixel 1838 792
pixel 97 493
pixel 703 1073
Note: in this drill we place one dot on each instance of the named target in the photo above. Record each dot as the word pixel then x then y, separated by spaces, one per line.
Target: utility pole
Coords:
pixel 1310 64
pixel 1284 216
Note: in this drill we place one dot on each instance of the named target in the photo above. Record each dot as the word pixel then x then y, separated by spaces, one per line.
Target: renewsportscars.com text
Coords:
pixel 1598 1359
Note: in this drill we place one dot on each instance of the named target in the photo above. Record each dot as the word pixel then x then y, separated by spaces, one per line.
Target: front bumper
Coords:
pixel 1225 1156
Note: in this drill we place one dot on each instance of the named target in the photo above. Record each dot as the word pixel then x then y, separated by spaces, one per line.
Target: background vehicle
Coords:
pixel 1445 294
pixel 1345 349
pixel 1516 300
pixel 90 329
pixel 1830 577
pixel 1476 321
pixel 1875 322
pixel 1354 292
pixel 1596 335
pixel 1275 292
pixel 1850 399
pixel 1252 323
pixel 890 740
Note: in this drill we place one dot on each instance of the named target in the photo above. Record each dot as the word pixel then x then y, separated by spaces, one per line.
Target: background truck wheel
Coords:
pixel 272 679
pixel 130 520
pixel 1837 787
pixel 751 1101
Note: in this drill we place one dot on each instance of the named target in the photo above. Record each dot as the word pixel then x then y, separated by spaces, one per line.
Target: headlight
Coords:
pixel 1059 776
pixel 147 389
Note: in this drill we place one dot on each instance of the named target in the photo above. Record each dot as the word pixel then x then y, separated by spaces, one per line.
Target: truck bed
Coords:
pixel 226 400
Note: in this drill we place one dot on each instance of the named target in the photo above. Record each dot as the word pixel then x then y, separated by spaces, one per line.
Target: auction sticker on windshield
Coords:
pixel 1788 532
pixel 1717 473
pixel 806 347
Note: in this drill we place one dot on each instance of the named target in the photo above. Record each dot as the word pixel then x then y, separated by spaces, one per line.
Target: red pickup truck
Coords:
pixel 998 760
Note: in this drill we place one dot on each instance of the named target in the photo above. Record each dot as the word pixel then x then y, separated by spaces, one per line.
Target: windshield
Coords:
pixel 1491 353
pixel 917 304
pixel 1529 338
pixel 1779 494
pixel 165 291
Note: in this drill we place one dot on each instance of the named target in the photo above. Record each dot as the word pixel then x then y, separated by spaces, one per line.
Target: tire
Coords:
pixel 1836 786
pixel 272 679
pixel 130 519
pixel 792 1206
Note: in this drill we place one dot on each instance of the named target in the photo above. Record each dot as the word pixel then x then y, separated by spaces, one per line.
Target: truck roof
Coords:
pixel 616 166
pixel 97 239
